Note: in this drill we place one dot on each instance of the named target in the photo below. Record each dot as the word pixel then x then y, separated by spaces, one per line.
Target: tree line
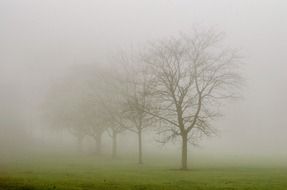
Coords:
pixel 176 86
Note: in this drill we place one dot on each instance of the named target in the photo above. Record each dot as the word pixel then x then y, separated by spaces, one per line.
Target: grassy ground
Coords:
pixel 87 173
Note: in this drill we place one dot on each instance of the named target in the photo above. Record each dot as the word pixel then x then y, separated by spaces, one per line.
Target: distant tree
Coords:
pixel 95 120
pixel 113 107
pixel 73 104
pixel 110 99
pixel 90 85
pixel 62 110
pixel 191 75
pixel 136 99
pixel 116 125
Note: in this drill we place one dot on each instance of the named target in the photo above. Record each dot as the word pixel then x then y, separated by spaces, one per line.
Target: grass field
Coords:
pixel 88 172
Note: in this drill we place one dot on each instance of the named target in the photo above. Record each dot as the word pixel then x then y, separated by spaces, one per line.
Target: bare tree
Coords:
pixel 135 98
pixel 111 97
pixel 62 110
pixel 114 109
pixel 117 126
pixel 190 77
pixel 91 102
pixel 139 120
pixel 95 119
pixel 74 104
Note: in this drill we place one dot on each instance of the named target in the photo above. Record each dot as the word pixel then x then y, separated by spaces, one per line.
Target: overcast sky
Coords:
pixel 40 38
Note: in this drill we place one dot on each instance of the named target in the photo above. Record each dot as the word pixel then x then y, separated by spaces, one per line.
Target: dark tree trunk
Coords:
pixel 140 161
pixel 184 152
pixel 98 139
pixel 114 153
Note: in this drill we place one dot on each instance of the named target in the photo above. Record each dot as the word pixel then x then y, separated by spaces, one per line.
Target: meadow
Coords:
pixel 70 172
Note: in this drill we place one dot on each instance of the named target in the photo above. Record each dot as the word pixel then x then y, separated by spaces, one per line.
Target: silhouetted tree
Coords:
pixel 136 99
pixel 191 75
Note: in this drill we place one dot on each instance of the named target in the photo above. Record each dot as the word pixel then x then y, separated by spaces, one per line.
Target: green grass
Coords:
pixel 89 172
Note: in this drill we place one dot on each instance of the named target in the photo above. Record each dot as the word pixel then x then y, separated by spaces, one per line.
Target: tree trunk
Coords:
pixel 98 139
pixel 114 153
pixel 140 147
pixel 184 152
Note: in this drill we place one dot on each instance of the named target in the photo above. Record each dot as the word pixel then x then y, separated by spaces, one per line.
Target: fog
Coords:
pixel 41 41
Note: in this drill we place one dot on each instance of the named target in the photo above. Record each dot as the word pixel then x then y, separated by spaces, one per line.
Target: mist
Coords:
pixel 42 42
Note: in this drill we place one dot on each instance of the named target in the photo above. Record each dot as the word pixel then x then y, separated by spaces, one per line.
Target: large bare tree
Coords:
pixel 191 77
